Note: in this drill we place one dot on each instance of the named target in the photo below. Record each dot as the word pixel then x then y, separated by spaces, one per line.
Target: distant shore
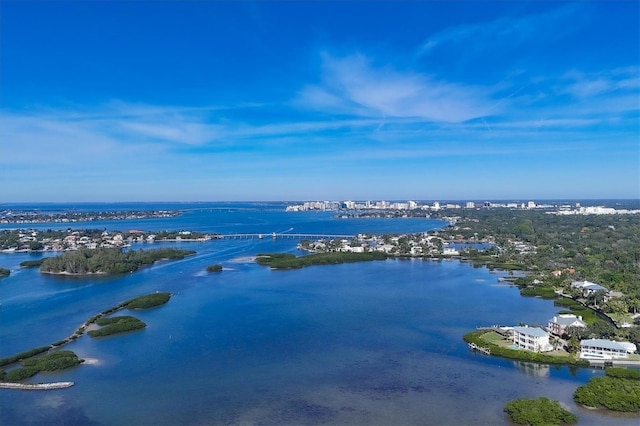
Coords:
pixel 23 216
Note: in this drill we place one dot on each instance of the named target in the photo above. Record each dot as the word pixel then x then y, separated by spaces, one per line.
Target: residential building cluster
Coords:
pixel 595 210
pixel 12 216
pixel 353 205
pixel 35 240
pixel 564 209
pixel 421 244
pixel 539 339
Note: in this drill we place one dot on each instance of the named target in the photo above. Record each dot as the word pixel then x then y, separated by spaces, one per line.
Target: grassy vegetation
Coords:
pixel 478 337
pixel 290 261
pixel 4 272
pixel 540 411
pixel 32 263
pixel 51 362
pixel 619 390
pixel 506 266
pixel 116 325
pixel 539 291
pixel 214 268
pixel 147 301
pixel 588 315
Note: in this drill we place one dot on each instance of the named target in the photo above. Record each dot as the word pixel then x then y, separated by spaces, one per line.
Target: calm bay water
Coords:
pixel 367 343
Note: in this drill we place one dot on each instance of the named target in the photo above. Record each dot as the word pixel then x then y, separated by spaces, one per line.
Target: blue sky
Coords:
pixel 220 100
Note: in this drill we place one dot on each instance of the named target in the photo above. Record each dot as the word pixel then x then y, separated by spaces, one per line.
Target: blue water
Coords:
pixel 366 343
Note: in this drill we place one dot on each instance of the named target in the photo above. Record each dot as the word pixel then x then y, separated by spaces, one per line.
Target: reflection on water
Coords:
pixel 533 369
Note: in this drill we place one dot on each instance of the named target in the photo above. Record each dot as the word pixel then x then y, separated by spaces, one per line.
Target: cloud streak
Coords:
pixel 353 85
pixel 506 32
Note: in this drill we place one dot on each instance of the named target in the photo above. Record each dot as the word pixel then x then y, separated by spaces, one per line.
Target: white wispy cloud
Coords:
pixel 586 85
pixel 353 85
pixel 505 32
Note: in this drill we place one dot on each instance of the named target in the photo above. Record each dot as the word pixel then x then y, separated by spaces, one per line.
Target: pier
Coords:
pixel 476 348
pixel 284 235
pixel 36 386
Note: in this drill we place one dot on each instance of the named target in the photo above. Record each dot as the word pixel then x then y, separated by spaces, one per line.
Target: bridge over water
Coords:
pixel 277 235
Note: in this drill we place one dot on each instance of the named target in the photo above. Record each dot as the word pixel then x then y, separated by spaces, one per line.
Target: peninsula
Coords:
pixel 37 216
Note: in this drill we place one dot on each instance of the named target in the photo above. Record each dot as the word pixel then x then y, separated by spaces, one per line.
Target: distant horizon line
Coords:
pixel 323 199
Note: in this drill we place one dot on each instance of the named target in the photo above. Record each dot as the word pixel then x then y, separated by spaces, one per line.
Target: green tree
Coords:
pixel 601 329
pixel 573 345
pixel 540 411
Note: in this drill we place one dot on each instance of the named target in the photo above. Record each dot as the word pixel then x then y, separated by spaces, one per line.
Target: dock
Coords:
pixel 36 386
pixel 476 348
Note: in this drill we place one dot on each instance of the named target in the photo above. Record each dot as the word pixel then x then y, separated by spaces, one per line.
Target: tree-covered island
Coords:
pixel 214 268
pixel 539 412
pixel 290 261
pixel 107 260
pixel 618 390
pixel 4 272
pixel 115 325
pixel 30 366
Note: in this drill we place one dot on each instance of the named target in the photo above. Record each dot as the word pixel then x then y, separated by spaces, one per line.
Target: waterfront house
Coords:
pixel 605 349
pixel 532 339
pixel 558 324
pixel 450 251
pixel 587 287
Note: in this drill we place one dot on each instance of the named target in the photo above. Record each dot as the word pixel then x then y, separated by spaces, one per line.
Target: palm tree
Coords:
pixel 597 298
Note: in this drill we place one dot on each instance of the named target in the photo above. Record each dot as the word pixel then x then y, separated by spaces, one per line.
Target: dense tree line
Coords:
pixel 600 248
pixel 107 260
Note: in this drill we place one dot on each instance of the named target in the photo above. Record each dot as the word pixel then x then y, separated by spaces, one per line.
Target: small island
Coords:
pixel 148 301
pixel 107 260
pixel 114 325
pixel 4 272
pixel 290 261
pixel 538 412
pixel 214 268
pixel 33 365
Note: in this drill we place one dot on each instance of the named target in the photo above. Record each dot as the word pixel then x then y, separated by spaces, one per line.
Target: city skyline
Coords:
pixel 230 101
